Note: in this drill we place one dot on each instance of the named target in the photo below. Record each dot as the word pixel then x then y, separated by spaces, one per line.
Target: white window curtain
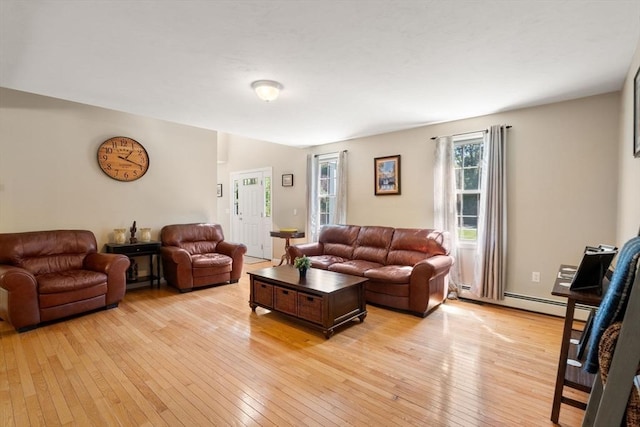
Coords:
pixel 490 268
pixel 444 203
pixel 312 198
pixel 339 215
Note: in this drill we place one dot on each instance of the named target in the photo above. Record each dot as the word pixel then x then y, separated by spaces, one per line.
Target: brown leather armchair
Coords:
pixel 196 255
pixel 49 275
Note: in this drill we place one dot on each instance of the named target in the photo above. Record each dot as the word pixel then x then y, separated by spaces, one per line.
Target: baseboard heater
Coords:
pixel 531 303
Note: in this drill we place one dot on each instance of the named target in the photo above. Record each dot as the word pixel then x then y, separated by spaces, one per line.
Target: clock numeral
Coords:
pixel 123 142
pixel 108 150
pixel 104 157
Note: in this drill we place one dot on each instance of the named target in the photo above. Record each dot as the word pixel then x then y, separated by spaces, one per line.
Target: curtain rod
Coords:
pixel 464 133
pixel 324 154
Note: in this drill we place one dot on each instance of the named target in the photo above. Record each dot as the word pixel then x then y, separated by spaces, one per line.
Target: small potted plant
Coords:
pixel 302 264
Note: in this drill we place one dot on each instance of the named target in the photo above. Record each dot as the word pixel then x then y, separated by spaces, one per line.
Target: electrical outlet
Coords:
pixel 535 276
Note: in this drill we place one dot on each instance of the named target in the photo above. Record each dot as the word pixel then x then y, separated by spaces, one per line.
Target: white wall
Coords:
pixel 563 161
pixel 242 154
pixel 50 179
pixel 628 220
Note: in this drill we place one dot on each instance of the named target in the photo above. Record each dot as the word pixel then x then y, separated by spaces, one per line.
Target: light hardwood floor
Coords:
pixel 203 358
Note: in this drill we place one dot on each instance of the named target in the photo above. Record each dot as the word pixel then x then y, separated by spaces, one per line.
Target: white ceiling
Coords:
pixel 349 68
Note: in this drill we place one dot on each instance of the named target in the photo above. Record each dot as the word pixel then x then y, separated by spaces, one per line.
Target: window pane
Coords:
pixel 324 187
pixel 472 154
pixel 267 196
pixel 468 162
pixel 457 155
pixel 471 179
pixel 458 179
pixel 468 234
pixel 470 221
pixel 470 204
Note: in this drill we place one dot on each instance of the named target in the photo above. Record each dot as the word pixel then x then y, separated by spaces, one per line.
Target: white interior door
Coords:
pixel 251 219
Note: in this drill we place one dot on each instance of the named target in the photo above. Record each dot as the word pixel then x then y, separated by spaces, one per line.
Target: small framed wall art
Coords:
pixel 387 175
pixel 219 190
pixel 287 180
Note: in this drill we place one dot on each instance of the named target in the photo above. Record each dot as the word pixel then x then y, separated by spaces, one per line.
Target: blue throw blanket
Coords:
pixel 614 302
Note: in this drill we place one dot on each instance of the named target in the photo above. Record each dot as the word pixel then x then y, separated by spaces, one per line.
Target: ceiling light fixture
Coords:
pixel 267 90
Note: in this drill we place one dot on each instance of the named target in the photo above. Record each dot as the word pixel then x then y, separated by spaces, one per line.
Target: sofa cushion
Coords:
pixel 385 288
pixel 373 244
pixel 210 264
pixel 338 240
pixel 77 296
pixel 70 280
pixel 194 238
pixel 354 267
pixel 410 246
pixel 324 261
pixel 42 252
pixel 390 273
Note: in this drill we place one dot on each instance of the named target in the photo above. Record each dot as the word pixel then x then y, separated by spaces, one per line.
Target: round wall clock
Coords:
pixel 123 158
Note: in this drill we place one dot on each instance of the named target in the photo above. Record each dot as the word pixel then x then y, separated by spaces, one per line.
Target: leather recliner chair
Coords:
pixel 196 255
pixel 49 275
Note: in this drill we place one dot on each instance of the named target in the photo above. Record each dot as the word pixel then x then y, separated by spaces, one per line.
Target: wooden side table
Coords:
pixel 569 375
pixel 287 235
pixel 133 250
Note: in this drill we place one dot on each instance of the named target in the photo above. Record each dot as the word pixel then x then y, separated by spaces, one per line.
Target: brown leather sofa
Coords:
pixel 49 275
pixel 407 268
pixel 196 255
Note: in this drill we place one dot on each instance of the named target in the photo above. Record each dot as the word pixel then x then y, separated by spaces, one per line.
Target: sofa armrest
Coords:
pixel 115 267
pixel 236 251
pixel 308 249
pixel 428 284
pixel 18 297
pixel 175 255
pixel 176 266
pixel 437 265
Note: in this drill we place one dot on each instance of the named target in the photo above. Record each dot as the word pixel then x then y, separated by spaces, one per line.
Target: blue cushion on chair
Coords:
pixel 614 302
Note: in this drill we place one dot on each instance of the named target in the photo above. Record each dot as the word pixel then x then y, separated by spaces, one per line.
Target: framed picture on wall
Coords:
pixel 386 171
pixel 219 190
pixel 636 114
pixel 287 180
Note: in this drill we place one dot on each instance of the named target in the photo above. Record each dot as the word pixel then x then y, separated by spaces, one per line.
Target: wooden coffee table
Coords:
pixel 322 300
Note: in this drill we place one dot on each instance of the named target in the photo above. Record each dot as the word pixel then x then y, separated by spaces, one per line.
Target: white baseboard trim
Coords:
pixel 529 303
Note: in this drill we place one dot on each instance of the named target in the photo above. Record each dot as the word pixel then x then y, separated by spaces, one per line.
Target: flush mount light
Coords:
pixel 267 90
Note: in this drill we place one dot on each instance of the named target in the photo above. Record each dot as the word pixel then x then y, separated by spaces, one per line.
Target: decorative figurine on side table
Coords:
pixel 133 233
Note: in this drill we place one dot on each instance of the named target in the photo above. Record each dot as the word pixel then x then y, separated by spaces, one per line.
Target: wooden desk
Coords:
pixel 568 375
pixel 287 235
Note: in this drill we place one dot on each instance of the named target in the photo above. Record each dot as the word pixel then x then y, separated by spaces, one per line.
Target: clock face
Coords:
pixel 123 158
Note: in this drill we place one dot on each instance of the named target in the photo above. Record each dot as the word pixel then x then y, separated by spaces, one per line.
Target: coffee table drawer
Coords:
pixel 263 293
pixel 310 307
pixel 285 300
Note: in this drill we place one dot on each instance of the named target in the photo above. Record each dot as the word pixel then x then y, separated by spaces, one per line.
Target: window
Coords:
pixel 267 196
pixel 467 163
pixel 327 188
